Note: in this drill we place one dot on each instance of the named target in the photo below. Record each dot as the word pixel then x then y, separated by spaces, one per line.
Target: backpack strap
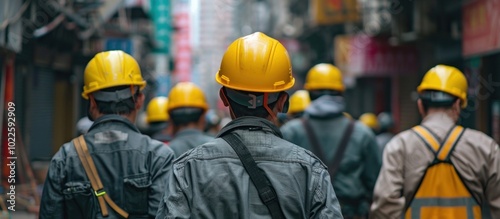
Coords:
pixel 95 181
pixel 339 154
pixel 442 150
pixel 428 137
pixel 450 143
pixel 266 190
pixel 316 147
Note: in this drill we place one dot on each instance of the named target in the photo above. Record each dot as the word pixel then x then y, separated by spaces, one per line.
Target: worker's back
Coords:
pixel 475 157
pixel 358 170
pixel 131 166
pixel 214 182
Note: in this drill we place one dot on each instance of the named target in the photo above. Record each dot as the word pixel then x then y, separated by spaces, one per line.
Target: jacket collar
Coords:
pixel 250 123
pixel 189 131
pixel 113 118
pixel 438 119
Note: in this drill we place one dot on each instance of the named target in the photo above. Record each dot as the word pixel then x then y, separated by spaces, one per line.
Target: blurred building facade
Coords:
pixel 44 49
pixel 385 47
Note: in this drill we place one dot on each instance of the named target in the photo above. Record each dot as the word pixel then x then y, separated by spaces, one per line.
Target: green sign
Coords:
pixel 162 22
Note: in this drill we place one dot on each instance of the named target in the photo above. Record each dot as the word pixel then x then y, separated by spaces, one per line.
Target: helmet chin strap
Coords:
pixel 132 91
pixel 269 110
pixel 265 102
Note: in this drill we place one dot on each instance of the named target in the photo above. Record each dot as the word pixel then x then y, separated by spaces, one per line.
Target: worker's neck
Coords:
pixel 130 117
pixel 192 125
pixel 450 113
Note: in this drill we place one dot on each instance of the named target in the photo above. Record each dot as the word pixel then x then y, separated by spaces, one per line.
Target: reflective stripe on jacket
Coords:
pixel 476 158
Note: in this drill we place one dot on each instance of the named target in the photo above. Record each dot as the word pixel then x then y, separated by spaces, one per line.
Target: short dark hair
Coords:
pixel 240 110
pixel 185 115
pixel 428 104
pixel 125 106
pixel 315 94
pixel 437 99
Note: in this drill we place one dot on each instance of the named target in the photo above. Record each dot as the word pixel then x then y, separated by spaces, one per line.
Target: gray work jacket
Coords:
pixel 133 169
pixel 187 139
pixel 210 181
pixel 358 170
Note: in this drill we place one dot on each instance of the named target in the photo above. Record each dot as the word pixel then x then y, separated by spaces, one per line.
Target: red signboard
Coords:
pixel 481 27
pixel 7 74
pixel 327 12
pixel 182 44
pixel 364 55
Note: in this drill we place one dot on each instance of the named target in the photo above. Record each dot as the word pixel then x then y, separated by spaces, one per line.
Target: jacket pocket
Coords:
pixel 79 200
pixel 136 193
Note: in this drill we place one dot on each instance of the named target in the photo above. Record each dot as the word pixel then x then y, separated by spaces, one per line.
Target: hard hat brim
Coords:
pixel 248 89
pixel 85 93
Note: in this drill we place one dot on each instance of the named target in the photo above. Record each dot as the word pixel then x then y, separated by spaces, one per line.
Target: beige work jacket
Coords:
pixel 406 157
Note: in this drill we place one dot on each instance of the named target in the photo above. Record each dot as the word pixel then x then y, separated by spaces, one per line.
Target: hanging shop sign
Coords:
pixel 363 55
pixel 328 12
pixel 481 25
pixel 162 21
pixel 182 38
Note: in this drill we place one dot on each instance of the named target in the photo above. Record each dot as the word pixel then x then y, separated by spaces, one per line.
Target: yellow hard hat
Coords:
pixel 446 79
pixel 299 101
pixel 157 110
pixel 186 94
pixel 256 63
pixel 324 76
pixel 370 120
pixel 111 69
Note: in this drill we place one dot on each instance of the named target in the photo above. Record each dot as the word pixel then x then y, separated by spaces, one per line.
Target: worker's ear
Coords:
pixel 421 108
pixel 283 103
pixel 92 108
pixel 139 101
pixel 457 106
pixel 287 102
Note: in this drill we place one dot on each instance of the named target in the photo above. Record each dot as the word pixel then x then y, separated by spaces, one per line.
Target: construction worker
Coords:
pixel 385 122
pixel 113 170
pixel 158 119
pixel 347 147
pixel 371 121
pixel 439 169
pixel 230 176
pixel 187 107
pixel 299 101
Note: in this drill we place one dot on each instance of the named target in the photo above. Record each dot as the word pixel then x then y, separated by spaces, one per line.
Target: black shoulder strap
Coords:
pixel 315 145
pixel 266 191
pixel 341 150
pixel 334 165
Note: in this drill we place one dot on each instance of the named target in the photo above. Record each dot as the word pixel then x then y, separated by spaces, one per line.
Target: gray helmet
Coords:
pixel 385 120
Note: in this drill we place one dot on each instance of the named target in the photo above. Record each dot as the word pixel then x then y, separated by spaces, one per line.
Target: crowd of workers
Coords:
pixel 281 156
